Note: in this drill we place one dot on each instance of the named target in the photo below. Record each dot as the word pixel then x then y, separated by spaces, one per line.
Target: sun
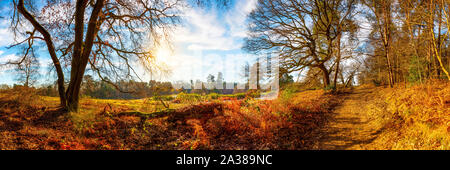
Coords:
pixel 161 64
pixel 164 55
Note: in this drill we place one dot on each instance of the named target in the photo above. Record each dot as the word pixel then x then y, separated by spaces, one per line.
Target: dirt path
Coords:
pixel 350 127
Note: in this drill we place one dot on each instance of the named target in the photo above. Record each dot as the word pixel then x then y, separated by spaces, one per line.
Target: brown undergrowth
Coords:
pixel 285 123
pixel 415 117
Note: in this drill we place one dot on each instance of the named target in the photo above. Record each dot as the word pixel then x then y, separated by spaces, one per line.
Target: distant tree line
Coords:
pixel 102 90
pixel 99 89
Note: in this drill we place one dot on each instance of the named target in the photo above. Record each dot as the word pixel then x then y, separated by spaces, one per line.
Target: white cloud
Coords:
pixel 203 31
pixel 6 36
pixel 44 61
pixel 206 30
pixel 6 58
pixel 237 17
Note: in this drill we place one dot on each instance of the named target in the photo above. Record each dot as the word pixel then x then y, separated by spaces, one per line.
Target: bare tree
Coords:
pixel 108 35
pixel 302 32
pixel 28 70
pixel 27 65
pixel 103 36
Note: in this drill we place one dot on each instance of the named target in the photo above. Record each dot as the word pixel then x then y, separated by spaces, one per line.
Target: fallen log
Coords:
pixel 201 111
pixel 159 114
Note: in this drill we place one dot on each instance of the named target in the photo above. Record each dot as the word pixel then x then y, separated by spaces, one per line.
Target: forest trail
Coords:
pixel 350 127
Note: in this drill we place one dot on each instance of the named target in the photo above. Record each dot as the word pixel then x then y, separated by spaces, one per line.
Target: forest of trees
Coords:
pixel 408 39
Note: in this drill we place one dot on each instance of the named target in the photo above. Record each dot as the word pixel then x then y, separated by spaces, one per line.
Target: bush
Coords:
pixel 26 96
pixel 286 95
pixel 293 87
pixel 183 97
pixel 236 96
pixel 239 95
pixel 330 87
pixel 163 98
pixel 416 64
pixel 212 96
pixel 253 93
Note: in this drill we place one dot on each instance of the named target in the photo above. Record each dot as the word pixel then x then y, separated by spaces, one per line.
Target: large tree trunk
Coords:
pixel 73 91
pixel 385 33
pixel 391 77
pixel 325 74
pixel 81 55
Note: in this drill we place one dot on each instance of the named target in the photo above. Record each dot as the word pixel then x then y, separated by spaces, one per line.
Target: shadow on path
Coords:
pixel 349 127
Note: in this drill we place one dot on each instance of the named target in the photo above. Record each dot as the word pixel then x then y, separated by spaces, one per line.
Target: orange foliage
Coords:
pixel 264 124
pixel 416 117
pixel 229 123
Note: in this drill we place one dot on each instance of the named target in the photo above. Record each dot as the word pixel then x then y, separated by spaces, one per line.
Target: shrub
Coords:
pixel 82 120
pixel 253 93
pixel 236 96
pixel 416 64
pixel 189 98
pixel 212 96
pixel 24 96
pixel 293 87
pixel 163 98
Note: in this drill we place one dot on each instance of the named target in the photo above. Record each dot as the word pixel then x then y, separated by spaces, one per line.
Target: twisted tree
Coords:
pixel 106 35
pixel 302 32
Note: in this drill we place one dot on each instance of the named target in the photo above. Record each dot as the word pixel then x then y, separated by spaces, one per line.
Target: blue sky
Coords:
pixel 208 41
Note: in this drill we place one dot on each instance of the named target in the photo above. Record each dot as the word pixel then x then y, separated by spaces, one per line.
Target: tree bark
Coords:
pixel 326 75
pixel 257 74
pixel 76 57
pixel 79 62
pixel 387 39
pixel 391 79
